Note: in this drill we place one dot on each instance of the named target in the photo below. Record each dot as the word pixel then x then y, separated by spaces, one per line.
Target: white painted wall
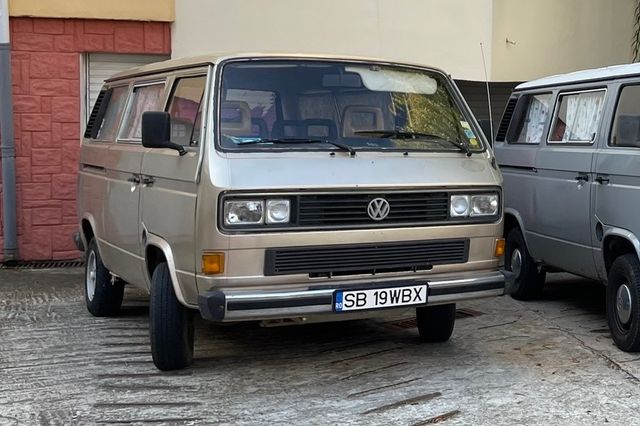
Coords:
pixel 441 33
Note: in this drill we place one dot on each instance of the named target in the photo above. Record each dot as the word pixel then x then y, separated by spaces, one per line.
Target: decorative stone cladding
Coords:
pixel 46 100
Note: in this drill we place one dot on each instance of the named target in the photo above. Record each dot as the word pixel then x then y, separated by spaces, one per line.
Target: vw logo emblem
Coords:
pixel 378 208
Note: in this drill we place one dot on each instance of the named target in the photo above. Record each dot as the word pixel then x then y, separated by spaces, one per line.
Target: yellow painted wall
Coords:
pixel 137 10
pixel 442 33
pixel 558 36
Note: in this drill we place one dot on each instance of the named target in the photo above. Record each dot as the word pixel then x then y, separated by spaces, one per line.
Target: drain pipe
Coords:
pixel 8 150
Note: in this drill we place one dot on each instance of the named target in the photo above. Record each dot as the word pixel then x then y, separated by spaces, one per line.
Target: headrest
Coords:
pixel 361 118
pixel 235 118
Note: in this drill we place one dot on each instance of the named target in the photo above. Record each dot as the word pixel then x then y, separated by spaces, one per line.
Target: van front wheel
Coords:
pixel 623 298
pixel 170 324
pixel 435 323
pixel 528 281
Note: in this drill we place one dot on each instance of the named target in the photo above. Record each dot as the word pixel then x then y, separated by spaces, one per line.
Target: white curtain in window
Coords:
pixel 583 116
pixel 536 119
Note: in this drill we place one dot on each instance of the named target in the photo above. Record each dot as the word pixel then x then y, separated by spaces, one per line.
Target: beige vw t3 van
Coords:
pixel 271 187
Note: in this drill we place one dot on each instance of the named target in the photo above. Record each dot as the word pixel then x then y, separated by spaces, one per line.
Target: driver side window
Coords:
pixel 185 107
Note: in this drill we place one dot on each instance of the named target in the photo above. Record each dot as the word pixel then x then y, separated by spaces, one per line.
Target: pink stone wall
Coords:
pixel 46 101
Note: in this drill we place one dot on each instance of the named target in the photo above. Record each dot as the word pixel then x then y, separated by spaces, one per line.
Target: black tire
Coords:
pixel 529 282
pixel 625 329
pixel 435 323
pixel 170 324
pixel 102 296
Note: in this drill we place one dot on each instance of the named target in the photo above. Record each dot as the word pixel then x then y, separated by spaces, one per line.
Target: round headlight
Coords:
pixel 278 211
pixel 459 205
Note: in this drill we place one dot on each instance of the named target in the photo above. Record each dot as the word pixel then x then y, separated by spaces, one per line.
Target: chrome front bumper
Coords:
pixel 239 305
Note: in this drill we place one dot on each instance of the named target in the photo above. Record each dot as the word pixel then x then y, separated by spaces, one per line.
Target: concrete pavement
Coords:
pixel 547 362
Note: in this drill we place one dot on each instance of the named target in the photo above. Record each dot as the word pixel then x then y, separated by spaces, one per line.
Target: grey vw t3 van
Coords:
pixel 569 149
pixel 269 187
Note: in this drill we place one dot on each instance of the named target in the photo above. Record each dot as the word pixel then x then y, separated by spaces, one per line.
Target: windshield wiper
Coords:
pixel 398 134
pixel 289 141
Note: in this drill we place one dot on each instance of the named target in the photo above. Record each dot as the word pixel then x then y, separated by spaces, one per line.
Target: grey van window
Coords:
pixel 185 108
pixel 577 117
pixel 112 115
pixel 626 124
pixel 527 125
pixel 143 98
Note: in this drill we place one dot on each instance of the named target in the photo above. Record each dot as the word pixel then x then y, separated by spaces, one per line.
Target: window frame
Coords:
pixel 559 95
pixel 614 112
pixel 133 86
pixel 175 80
pixel 545 130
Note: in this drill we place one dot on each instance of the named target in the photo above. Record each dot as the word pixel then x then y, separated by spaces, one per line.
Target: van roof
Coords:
pixel 193 61
pixel 604 73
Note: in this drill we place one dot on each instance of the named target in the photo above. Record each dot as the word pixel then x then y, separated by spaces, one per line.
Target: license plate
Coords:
pixel 378 298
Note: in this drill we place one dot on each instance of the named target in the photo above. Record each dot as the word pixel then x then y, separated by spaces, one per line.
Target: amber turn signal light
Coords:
pixel 213 263
pixel 500 245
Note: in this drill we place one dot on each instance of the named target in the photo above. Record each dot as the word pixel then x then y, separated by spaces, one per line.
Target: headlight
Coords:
pixel 474 205
pixel 244 212
pixel 484 205
pixel 459 206
pixel 278 211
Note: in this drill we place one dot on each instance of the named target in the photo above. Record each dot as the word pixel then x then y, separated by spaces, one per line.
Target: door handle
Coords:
pixel 135 179
pixel 602 180
pixel 148 180
pixel 582 178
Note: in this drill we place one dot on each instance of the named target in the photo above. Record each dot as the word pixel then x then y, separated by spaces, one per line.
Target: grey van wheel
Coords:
pixel 170 324
pixel 623 297
pixel 103 298
pixel 435 323
pixel 529 282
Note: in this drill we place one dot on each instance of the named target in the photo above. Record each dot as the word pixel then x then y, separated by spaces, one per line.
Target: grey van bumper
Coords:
pixel 232 305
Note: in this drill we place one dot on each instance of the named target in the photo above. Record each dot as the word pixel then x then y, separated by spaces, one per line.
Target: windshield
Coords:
pixel 326 105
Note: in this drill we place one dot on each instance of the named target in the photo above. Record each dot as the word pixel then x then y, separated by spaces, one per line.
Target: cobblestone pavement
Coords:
pixel 548 362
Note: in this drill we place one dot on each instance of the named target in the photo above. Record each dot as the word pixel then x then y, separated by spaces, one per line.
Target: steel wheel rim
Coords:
pixel 91 275
pixel 516 262
pixel 624 304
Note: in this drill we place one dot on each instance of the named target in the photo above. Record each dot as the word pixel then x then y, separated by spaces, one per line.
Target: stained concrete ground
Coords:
pixel 547 362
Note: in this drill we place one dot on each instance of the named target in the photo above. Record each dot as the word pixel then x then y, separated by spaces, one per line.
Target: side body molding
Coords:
pixel 154 240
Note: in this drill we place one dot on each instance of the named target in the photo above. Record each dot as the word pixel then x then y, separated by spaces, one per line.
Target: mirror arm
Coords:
pixel 177 147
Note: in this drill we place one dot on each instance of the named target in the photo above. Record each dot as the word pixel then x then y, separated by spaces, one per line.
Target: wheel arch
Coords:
pixel 156 251
pixel 616 242
pixel 512 219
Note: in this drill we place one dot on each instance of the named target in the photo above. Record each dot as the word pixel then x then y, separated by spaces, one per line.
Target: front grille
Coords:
pixel 365 258
pixel 351 209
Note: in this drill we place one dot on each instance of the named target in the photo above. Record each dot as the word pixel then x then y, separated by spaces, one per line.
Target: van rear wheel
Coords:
pixel 102 295
pixel 435 323
pixel 623 299
pixel 170 324
pixel 528 282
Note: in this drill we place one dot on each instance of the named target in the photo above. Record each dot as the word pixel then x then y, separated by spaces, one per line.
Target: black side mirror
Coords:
pixel 156 131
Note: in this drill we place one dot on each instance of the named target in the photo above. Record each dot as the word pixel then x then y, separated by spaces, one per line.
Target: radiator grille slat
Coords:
pixel 365 258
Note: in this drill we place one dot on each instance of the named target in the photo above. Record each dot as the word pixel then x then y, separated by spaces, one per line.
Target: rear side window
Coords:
pixel 530 118
pixel 144 98
pixel 185 107
pixel 626 124
pixel 577 117
pixel 112 114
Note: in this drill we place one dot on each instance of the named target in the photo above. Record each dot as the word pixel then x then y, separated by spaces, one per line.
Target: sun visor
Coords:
pixel 387 80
